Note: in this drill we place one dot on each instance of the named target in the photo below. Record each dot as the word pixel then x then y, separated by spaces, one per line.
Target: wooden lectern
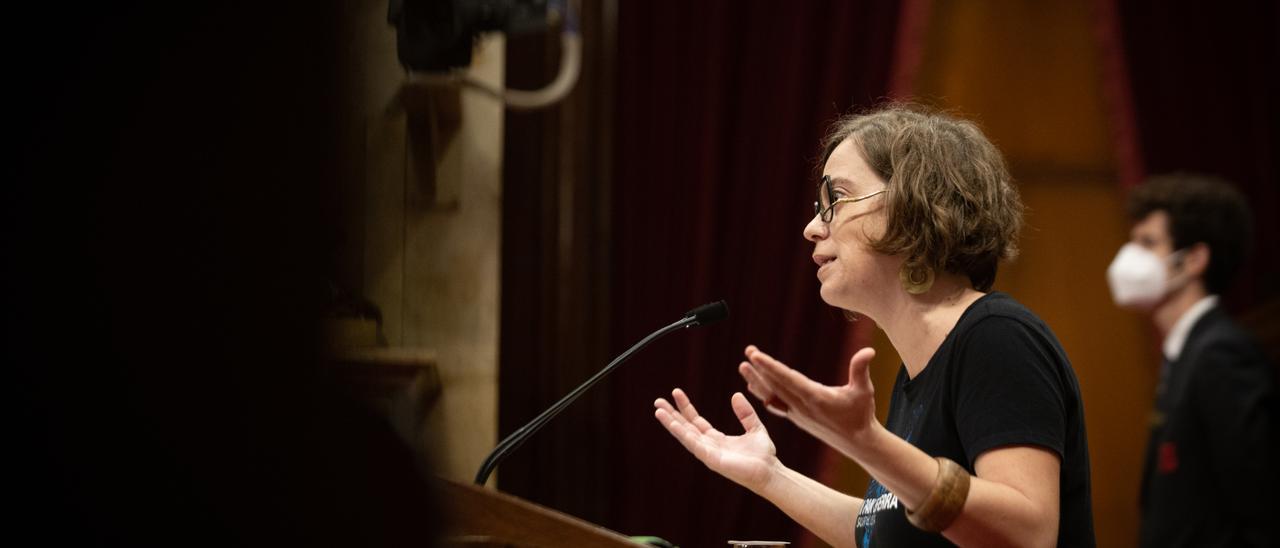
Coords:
pixel 479 517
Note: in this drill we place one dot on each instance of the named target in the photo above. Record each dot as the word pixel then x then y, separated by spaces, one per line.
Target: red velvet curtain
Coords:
pixel 720 107
pixel 1205 98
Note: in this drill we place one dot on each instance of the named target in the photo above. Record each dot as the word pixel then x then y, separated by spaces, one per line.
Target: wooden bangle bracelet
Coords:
pixel 945 501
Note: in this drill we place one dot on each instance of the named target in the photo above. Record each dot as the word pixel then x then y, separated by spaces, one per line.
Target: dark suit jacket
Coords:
pixel 1210 478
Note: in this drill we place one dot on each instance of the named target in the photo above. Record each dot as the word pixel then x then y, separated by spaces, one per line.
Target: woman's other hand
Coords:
pixel 748 459
pixel 837 415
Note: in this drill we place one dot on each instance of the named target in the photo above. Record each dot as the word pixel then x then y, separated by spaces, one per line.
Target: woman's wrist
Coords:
pixel 862 444
pixel 774 480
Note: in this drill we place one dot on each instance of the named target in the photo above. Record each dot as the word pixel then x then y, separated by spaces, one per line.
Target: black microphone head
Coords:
pixel 708 313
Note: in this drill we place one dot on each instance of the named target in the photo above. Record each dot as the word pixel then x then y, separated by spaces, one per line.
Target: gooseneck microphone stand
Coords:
pixel 702 315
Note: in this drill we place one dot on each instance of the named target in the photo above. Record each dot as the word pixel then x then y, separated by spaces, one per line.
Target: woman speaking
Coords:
pixel 985 443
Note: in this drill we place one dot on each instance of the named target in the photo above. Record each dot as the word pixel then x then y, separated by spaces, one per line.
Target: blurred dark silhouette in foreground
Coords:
pixel 168 234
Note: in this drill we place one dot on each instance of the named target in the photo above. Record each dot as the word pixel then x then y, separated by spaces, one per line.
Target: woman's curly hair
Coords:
pixel 951 204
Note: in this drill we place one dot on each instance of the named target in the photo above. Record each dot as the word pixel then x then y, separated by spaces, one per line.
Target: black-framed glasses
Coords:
pixel 824 207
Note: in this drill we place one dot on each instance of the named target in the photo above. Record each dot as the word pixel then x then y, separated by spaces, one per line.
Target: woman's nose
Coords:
pixel 816 229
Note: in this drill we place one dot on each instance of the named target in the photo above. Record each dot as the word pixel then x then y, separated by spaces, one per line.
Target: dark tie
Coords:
pixel 1163 383
pixel 1156 425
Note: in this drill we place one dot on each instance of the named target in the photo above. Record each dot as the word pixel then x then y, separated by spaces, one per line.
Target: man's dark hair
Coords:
pixel 1202 209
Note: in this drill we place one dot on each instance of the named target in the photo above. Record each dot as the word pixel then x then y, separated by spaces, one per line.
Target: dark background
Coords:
pixel 168 230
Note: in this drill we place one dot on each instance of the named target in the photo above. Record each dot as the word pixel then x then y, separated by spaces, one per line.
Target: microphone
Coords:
pixel 708 313
pixel 702 315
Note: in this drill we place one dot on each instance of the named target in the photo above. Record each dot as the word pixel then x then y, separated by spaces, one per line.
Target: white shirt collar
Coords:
pixel 1177 337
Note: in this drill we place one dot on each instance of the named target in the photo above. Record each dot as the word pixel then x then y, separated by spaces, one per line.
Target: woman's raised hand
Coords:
pixel 837 415
pixel 747 459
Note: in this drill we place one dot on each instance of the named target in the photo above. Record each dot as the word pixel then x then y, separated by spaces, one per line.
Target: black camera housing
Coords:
pixel 438 35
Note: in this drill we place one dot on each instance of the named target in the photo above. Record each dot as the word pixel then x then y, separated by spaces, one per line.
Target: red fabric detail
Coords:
pixel 1167 458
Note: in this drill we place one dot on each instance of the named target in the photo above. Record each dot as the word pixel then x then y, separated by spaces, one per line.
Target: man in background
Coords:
pixel 1208 477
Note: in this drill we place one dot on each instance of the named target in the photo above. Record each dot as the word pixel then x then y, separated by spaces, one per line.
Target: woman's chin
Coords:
pixel 834 295
pixel 828 293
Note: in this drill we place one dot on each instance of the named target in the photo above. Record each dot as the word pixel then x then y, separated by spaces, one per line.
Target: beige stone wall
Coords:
pixel 427 212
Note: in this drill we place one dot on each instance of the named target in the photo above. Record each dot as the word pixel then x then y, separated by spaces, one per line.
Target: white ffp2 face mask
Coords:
pixel 1138 277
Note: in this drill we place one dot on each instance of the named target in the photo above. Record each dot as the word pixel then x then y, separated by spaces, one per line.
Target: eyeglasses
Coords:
pixel 824 207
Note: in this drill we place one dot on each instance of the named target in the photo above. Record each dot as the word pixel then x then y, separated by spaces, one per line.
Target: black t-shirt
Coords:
pixel 999 378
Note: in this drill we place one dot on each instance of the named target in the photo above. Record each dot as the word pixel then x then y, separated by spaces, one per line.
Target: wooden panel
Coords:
pixel 488 517
pixel 1029 73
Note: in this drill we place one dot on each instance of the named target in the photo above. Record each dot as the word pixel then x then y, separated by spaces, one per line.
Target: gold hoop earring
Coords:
pixel 916 280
